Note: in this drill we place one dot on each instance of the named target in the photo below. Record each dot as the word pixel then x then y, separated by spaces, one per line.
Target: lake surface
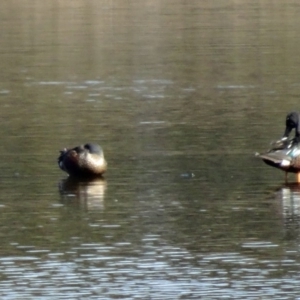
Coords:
pixel 180 95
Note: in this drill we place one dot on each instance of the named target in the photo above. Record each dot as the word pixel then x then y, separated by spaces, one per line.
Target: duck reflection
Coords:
pixel 88 194
pixel 289 195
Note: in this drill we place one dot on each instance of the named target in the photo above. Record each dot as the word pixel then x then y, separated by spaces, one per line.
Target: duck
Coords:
pixel 83 161
pixel 284 155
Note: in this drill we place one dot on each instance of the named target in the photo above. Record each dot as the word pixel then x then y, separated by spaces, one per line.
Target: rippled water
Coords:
pixel 180 96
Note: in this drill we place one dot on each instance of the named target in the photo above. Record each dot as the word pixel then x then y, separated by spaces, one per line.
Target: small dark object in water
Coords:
pixel 187 175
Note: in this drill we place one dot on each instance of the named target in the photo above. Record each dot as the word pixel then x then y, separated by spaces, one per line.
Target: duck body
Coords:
pixel 284 155
pixel 83 161
pixel 287 160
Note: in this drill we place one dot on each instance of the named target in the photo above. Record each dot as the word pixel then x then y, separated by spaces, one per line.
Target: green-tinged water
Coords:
pixel 180 95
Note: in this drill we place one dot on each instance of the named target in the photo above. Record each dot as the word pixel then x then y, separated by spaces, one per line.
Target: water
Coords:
pixel 180 95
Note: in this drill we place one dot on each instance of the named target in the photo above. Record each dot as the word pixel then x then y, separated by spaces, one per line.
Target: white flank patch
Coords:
pixel 96 162
pixel 285 163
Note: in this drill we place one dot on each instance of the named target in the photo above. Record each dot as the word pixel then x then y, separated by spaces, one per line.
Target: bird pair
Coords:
pixel 88 160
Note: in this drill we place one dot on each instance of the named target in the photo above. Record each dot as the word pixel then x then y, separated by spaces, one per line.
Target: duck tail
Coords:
pixel 271 158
